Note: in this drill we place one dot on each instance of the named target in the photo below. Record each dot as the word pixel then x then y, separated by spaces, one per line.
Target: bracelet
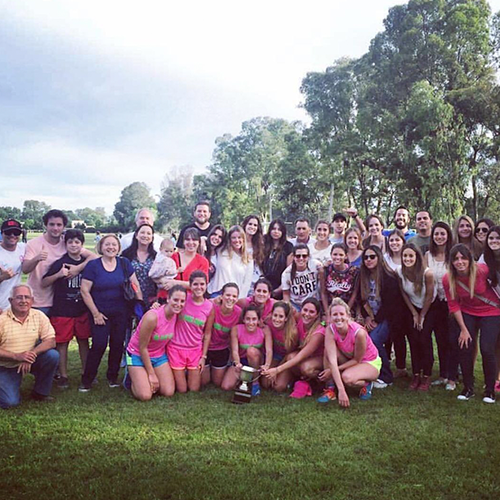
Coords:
pixel 204 356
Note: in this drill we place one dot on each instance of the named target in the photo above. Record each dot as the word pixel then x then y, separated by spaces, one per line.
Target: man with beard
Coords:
pixel 201 222
pixel 424 226
pixel 401 221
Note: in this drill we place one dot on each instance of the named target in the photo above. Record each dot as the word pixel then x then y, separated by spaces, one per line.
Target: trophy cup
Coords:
pixel 243 391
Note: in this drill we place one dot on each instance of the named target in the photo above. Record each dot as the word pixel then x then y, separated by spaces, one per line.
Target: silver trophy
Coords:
pixel 243 391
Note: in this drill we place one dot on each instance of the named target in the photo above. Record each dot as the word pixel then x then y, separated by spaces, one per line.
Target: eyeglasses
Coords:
pixel 301 256
pixel 12 232
pixel 482 229
pixel 369 256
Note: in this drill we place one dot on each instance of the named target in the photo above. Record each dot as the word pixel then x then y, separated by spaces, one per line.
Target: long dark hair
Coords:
pixel 269 242
pixel 300 246
pixel 257 239
pixel 381 271
pixel 419 267
pixel 453 275
pixel 210 248
pixel 131 251
pixel 489 257
pixel 449 242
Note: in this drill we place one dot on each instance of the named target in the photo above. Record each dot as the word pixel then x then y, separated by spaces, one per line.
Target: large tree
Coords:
pixel 133 197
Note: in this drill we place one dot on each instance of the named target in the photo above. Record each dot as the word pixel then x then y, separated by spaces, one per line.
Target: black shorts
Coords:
pixel 218 359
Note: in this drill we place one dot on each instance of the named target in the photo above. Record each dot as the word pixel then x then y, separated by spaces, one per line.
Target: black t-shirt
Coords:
pixel 202 232
pixel 274 266
pixel 68 301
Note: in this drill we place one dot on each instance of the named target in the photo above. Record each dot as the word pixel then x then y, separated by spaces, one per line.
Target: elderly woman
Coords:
pixel 103 292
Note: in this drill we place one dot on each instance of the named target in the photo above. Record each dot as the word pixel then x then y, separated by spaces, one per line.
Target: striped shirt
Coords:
pixel 19 337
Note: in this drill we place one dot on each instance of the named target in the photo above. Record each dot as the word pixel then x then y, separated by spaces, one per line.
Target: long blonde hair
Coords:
pixel 290 328
pixel 472 243
pixel 314 326
pixel 245 256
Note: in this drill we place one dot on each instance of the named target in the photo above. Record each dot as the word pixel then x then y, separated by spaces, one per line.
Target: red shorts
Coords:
pixel 67 328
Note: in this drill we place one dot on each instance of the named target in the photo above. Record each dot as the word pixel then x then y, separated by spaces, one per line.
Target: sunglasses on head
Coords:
pixel 372 256
pixel 12 232
pixel 482 229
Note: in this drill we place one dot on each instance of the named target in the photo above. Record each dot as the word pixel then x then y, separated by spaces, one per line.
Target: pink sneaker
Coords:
pixel 301 389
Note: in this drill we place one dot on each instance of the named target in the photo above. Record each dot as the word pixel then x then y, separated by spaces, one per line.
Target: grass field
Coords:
pixel 104 444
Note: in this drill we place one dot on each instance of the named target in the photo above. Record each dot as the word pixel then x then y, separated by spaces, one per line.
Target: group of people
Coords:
pixel 324 311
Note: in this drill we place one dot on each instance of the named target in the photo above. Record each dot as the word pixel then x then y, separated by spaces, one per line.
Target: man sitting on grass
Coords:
pixel 69 314
pixel 27 342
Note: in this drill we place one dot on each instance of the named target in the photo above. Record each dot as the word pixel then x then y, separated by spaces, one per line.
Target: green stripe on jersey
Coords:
pixel 193 320
pixel 218 326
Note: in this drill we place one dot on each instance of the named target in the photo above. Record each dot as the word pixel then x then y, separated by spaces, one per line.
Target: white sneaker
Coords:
pixel 380 384
pixel 440 381
pixel 451 385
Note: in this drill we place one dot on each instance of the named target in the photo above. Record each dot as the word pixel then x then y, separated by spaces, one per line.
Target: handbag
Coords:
pixel 128 287
pixel 480 297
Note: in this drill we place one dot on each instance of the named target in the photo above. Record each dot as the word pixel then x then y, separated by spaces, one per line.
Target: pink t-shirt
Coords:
pixel 320 330
pixel 463 302
pixel 162 334
pixel 43 296
pixel 266 310
pixel 190 326
pixel 346 345
pixel 221 331
pixel 247 339
pixel 278 340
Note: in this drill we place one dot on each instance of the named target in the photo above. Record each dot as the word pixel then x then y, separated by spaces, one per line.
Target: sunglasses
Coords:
pixel 482 229
pixel 301 256
pixel 370 257
pixel 12 232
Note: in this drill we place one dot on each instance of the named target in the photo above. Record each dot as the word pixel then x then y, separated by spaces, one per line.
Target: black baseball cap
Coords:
pixel 339 216
pixel 11 224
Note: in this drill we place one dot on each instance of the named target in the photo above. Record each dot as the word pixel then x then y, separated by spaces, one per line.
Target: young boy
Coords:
pixel 69 314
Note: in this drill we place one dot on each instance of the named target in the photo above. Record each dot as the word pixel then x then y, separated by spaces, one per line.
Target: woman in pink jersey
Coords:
pixel 351 356
pixel 188 349
pixel 147 362
pixel 283 330
pixel 226 314
pixel 249 342
pixel 306 362
pixel 261 298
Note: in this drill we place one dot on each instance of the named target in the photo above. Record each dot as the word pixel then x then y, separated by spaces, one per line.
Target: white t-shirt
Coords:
pixel 305 284
pixel 10 260
pixel 324 256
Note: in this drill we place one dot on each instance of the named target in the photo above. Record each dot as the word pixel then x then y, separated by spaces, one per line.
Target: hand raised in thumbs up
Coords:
pixel 43 254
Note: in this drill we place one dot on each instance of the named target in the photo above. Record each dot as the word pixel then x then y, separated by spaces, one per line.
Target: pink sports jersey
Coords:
pixel 320 330
pixel 266 310
pixel 346 345
pixel 221 331
pixel 162 334
pixel 246 340
pixel 191 324
pixel 278 340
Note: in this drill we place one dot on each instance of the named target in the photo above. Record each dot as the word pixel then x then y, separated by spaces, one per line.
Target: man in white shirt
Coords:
pixel 11 259
pixel 143 216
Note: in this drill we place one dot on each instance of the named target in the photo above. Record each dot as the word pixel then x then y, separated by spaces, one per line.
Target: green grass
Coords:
pixel 104 444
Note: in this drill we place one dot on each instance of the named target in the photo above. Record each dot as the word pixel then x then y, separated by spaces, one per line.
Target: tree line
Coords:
pixel 414 121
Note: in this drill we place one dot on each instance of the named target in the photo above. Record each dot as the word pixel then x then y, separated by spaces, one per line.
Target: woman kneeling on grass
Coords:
pixel 283 330
pixel 248 342
pixel 351 356
pixel 305 363
pixel 147 362
pixel 188 349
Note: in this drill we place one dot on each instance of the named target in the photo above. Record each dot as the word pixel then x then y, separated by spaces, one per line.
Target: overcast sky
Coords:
pixel 95 95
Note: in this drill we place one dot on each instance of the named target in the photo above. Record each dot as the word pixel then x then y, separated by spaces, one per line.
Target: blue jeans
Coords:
pixel 380 335
pixel 43 369
pixel 114 330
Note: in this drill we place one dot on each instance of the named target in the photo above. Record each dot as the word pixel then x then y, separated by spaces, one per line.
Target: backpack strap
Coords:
pixel 480 297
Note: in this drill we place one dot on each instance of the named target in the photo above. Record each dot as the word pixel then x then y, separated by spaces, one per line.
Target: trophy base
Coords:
pixel 241 397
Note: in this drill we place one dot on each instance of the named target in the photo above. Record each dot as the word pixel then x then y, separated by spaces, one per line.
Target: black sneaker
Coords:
pixel 62 383
pixel 84 388
pixel 113 384
pixel 466 394
pixel 489 397
pixel 42 397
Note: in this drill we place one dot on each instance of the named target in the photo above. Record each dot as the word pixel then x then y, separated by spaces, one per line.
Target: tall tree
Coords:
pixel 133 197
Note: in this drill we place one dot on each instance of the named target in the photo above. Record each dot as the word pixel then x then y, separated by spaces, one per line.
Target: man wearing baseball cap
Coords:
pixel 11 258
